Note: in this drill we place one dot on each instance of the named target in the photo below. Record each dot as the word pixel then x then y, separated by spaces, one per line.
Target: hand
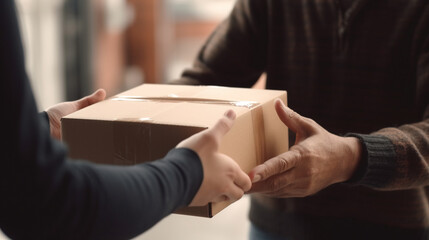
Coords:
pixel 317 160
pixel 223 178
pixel 55 113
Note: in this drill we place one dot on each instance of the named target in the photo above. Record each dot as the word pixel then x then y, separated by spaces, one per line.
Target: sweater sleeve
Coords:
pixel 398 157
pixel 395 158
pixel 47 196
pixel 229 56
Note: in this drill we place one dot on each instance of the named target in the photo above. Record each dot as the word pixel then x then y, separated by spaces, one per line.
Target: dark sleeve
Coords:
pixel 46 196
pixel 235 53
pixel 397 158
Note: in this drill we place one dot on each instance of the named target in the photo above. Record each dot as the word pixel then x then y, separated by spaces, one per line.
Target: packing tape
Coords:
pixel 258 125
pixel 132 141
pixel 173 98
pixel 130 151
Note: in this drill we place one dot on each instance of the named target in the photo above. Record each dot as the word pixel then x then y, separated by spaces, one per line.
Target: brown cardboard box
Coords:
pixel 144 123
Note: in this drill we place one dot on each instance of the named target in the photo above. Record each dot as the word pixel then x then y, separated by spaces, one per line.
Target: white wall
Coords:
pixel 40 30
pixel 39 23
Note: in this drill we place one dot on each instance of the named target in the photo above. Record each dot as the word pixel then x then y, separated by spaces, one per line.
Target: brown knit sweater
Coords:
pixel 364 72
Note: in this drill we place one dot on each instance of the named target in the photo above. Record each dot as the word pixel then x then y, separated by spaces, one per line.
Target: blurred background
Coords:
pixel 73 47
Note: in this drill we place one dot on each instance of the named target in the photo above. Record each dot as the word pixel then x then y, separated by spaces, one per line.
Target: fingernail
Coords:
pixel 283 104
pixel 230 114
pixel 256 178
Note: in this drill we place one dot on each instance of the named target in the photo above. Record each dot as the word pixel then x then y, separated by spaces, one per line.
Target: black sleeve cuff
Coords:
pixel 378 163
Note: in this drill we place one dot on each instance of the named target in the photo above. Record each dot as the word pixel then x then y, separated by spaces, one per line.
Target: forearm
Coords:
pixel 146 193
pixel 79 200
pixel 130 200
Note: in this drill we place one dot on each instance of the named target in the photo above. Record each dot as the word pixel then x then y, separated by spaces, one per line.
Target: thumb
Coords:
pixel 274 166
pixel 223 125
pixel 95 97
pixel 290 118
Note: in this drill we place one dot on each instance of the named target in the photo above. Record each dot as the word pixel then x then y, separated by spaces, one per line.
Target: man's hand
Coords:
pixel 223 178
pixel 317 160
pixel 55 113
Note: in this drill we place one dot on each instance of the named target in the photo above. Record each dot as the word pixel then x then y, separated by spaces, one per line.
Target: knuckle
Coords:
pixel 301 152
pixel 237 195
pixel 234 170
pixel 310 172
pixel 248 186
pixel 296 115
pixel 309 120
pixel 266 172
pixel 208 138
pixel 223 123
pixel 283 163
pixel 223 189
pixel 310 124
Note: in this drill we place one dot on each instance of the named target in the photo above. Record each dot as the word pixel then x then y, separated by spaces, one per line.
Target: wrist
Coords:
pixel 353 157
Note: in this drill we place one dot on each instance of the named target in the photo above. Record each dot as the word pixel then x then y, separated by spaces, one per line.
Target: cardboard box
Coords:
pixel 144 123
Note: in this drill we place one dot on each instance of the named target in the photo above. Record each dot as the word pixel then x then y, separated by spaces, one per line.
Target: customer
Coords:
pixel 44 195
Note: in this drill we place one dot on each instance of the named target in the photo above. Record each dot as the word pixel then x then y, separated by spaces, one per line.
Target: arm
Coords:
pixel 398 158
pixel 229 56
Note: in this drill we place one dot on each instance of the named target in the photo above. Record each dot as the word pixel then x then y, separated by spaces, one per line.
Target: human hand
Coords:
pixel 223 178
pixel 317 160
pixel 56 112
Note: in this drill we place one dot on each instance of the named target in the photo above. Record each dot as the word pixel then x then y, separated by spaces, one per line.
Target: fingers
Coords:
pixel 223 125
pixel 236 182
pixel 272 186
pixel 242 181
pixel 290 118
pixel 233 193
pixel 274 166
pixel 95 97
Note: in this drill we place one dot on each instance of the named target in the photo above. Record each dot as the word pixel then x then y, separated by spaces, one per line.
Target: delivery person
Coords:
pixel 44 195
pixel 358 70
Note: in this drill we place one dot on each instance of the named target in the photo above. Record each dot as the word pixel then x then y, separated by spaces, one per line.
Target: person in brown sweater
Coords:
pixel 358 70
